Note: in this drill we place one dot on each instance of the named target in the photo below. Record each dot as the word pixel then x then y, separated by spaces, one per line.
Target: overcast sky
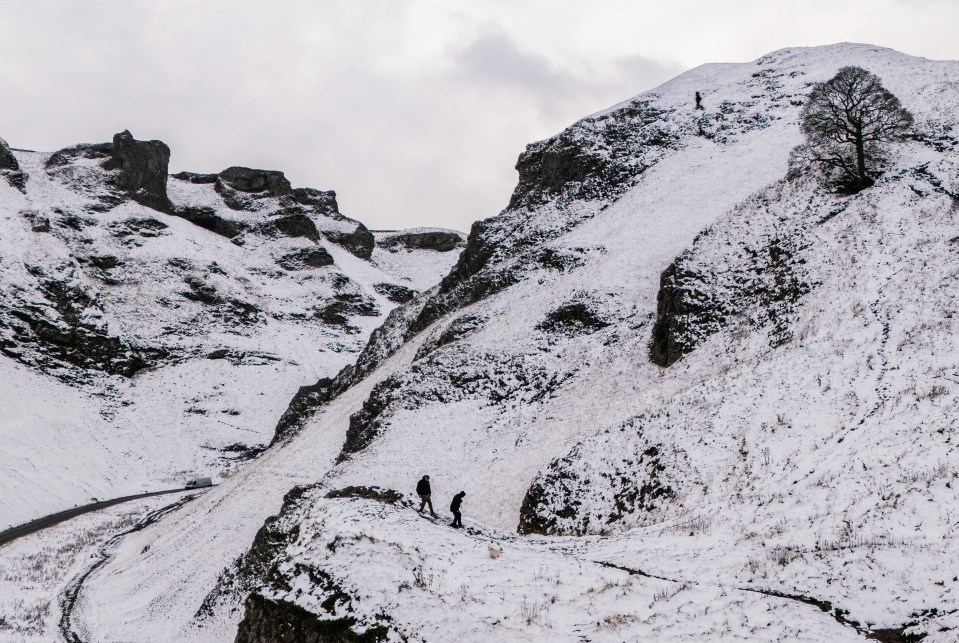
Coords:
pixel 413 111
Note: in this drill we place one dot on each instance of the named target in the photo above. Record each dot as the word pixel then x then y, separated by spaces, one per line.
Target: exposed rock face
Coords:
pixel 279 621
pixel 438 240
pixel 359 242
pixel 571 163
pixel 9 168
pixel 64 328
pixel 269 543
pixel 306 258
pixel 301 408
pixel 294 225
pixel 685 314
pixel 762 280
pixel 143 169
pixel 567 498
pixel 68 155
pixel 208 219
pixel 245 179
pixel 395 293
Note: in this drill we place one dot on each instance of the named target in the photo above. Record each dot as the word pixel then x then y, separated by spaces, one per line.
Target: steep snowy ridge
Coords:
pixel 154 327
pixel 820 481
pixel 690 394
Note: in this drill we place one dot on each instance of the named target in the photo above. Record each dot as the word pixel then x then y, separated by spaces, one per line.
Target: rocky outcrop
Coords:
pixel 685 314
pixel 302 406
pixel 63 329
pixel 293 225
pixel 597 486
pixel 343 304
pixel 9 168
pixel 359 242
pixel 437 240
pixel 277 621
pixel 760 286
pixel 574 165
pixel 208 219
pixel 140 168
pixel 143 167
pixel 395 293
pixel 305 258
pixel 245 179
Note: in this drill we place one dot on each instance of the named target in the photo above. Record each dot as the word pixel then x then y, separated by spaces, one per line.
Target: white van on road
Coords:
pixel 196 483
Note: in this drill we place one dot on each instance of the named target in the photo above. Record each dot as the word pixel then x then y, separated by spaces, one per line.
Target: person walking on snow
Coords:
pixel 455 508
pixel 425 493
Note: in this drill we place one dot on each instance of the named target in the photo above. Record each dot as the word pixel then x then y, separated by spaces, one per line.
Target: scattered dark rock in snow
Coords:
pixel 560 261
pixel 202 291
pixel 138 227
pixel 438 240
pixel 38 222
pixel 104 262
pixel 344 304
pixel 388 496
pixel 395 293
pixel 574 318
pixel 306 258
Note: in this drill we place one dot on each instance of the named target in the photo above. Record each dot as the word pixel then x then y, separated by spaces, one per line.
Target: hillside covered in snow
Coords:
pixel 690 391
pixel 155 327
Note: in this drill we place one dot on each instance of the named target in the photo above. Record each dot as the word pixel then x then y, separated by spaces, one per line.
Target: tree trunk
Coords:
pixel 861 162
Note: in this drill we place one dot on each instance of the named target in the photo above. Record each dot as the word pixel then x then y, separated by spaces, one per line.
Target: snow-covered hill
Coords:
pixel 153 328
pixel 790 475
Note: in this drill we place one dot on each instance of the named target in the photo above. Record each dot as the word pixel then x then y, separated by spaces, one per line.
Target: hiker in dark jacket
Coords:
pixel 425 493
pixel 455 508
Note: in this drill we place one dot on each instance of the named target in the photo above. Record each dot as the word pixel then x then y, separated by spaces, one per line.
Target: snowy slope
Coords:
pixel 143 344
pixel 803 447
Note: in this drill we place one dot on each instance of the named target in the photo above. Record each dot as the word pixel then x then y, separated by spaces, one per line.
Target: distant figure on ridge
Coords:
pixel 455 508
pixel 425 493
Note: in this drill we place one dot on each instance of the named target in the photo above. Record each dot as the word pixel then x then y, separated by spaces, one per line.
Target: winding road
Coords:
pixel 39 524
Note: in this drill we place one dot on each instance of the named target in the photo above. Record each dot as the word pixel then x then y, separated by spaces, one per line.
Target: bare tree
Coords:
pixel 845 121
